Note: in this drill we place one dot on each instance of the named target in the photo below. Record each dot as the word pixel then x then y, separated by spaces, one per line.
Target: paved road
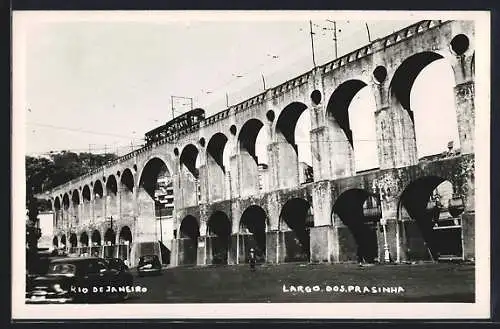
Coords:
pixel 320 283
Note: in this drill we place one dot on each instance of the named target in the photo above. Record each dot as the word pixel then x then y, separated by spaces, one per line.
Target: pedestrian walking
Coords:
pixel 251 259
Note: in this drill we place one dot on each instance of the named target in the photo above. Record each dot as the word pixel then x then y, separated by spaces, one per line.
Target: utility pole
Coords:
pixel 334 37
pixel 368 30
pixel 263 81
pixel 312 42
pixel 172 103
pixel 90 157
pixel 227 100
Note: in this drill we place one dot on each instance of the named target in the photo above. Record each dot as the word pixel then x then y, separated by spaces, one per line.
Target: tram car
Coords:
pixel 179 123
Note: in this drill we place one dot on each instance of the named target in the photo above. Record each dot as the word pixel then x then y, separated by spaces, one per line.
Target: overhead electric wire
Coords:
pixel 77 130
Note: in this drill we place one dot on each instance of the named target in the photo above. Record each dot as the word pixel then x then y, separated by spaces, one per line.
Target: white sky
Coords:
pixel 108 82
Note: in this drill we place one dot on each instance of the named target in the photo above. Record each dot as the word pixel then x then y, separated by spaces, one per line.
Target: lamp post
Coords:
pixel 387 255
pixel 112 231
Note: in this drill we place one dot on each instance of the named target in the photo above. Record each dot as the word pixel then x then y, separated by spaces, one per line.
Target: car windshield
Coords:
pixel 62 268
pixel 147 259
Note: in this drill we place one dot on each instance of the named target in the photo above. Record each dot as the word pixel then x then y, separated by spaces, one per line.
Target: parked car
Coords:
pixel 38 269
pixel 149 264
pixel 118 265
pixel 79 280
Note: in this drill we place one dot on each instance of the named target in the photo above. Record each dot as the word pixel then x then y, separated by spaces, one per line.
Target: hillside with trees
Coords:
pixel 44 173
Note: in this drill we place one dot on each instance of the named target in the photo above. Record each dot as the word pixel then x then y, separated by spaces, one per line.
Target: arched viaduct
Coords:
pixel 221 208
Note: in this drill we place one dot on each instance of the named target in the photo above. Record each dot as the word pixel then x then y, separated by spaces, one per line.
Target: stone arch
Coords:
pixel 189 228
pixel 295 221
pixel 423 210
pixel 75 197
pixel 55 242
pixel 125 234
pixel 361 226
pixel 127 180
pixel 219 236
pixel 98 190
pixel 253 225
pixel 73 240
pixel 434 107
pixel 84 239
pixel 248 136
pixel 215 148
pixel 110 236
pixel 57 204
pixel 96 238
pixel 287 122
pixel 65 201
pixel 137 172
pixel 405 75
pixel 189 232
pixel 86 195
pixel 338 105
pixel 188 158
pixel 111 185
pixel 154 171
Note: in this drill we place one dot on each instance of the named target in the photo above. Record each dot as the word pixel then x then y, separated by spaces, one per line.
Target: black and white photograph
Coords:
pixel 250 164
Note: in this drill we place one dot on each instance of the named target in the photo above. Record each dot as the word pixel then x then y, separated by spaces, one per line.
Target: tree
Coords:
pixel 44 173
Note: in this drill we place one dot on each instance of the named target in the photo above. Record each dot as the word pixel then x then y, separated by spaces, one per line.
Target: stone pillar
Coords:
pixel 92 207
pixel 232 257
pixel 146 219
pixel 244 175
pixel 204 252
pixel 396 141
pixel 241 249
pixel 272 247
pixel 188 188
pixel 464 104
pixel 284 166
pixel 463 68
pixel 204 180
pixel 174 253
pixel 467 190
pixel 201 258
pixel 322 243
pixel 216 180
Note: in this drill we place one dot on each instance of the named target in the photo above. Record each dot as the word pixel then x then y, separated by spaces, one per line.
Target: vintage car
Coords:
pixel 79 280
pixel 118 265
pixel 39 267
pixel 149 264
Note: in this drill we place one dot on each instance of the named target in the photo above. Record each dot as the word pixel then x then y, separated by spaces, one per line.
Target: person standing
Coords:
pixel 251 259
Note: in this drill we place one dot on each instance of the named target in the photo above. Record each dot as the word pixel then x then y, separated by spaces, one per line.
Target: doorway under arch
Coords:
pixel 295 222
pixel 360 237
pixel 252 228
pixel 188 241
pixel 430 217
pixel 219 237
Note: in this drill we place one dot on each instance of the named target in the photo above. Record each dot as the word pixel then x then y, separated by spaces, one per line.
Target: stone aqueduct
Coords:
pixel 219 209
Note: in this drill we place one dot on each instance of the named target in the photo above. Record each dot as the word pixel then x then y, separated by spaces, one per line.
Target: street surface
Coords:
pixel 309 283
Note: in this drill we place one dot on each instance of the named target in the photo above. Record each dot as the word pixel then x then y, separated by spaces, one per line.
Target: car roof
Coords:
pixel 74 260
